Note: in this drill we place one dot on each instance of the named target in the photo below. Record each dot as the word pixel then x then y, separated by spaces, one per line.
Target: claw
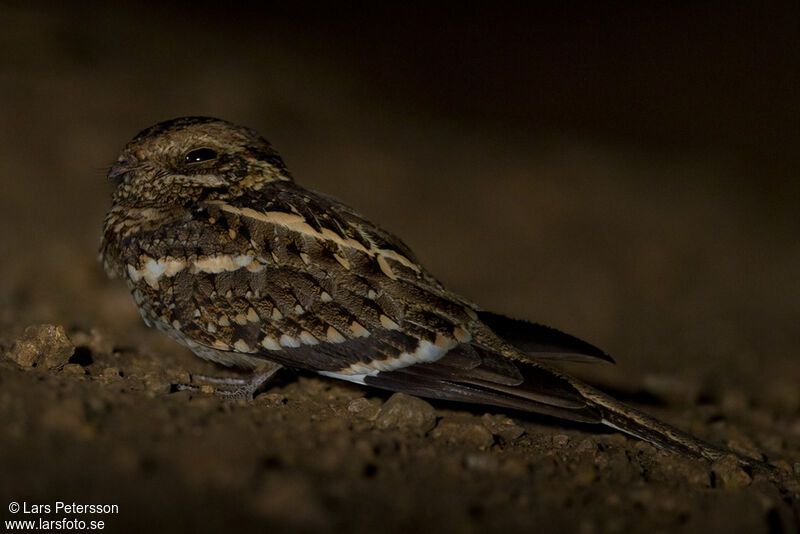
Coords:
pixel 231 387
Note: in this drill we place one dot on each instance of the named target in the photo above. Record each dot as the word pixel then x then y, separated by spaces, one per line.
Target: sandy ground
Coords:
pixel 663 229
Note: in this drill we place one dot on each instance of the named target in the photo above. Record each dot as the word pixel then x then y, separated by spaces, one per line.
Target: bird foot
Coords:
pixel 232 387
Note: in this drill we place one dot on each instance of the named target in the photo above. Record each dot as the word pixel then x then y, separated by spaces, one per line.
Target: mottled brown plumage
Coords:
pixel 223 251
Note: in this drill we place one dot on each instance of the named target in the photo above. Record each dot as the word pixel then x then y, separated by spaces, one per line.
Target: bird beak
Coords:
pixel 118 170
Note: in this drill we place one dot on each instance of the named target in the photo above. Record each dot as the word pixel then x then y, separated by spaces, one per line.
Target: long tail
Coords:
pixel 629 420
pixel 535 387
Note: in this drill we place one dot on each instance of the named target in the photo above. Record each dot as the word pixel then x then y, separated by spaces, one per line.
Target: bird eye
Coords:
pixel 200 155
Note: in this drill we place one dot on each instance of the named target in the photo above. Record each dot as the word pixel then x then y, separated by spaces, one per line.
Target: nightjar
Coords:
pixel 224 252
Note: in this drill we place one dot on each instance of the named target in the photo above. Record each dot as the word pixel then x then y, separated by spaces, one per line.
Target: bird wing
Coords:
pixel 542 342
pixel 297 278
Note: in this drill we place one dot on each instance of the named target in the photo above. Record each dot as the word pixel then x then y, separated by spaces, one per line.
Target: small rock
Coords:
pixel 43 345
pixel 405 412
pixel 463 430
pixel 502 426
pixel 730 474
pixel 364 408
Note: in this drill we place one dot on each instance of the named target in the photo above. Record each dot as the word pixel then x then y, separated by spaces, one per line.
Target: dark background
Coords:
pixel 627 173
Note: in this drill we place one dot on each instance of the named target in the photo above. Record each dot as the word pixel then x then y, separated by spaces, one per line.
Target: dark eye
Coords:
pixel 200 155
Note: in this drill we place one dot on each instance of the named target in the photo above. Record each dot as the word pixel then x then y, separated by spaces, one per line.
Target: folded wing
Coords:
pixel 542 342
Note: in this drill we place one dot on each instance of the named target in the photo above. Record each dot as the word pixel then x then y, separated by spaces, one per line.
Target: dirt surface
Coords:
pixel 636 187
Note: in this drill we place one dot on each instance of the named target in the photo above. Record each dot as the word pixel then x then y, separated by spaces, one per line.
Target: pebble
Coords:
pixel 404 412
pixel 502 427
pixel 730 474
pixel 364 408
pixel 463 430
pixel 44 346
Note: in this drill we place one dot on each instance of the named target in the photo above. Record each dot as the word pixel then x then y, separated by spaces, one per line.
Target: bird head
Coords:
pixel 192 158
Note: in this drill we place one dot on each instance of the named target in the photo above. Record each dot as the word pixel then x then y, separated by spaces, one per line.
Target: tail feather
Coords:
pixel 433 387
pixel 631 421
pixel 541 390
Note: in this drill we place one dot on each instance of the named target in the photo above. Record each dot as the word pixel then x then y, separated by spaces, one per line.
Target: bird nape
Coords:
pixel 224 252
